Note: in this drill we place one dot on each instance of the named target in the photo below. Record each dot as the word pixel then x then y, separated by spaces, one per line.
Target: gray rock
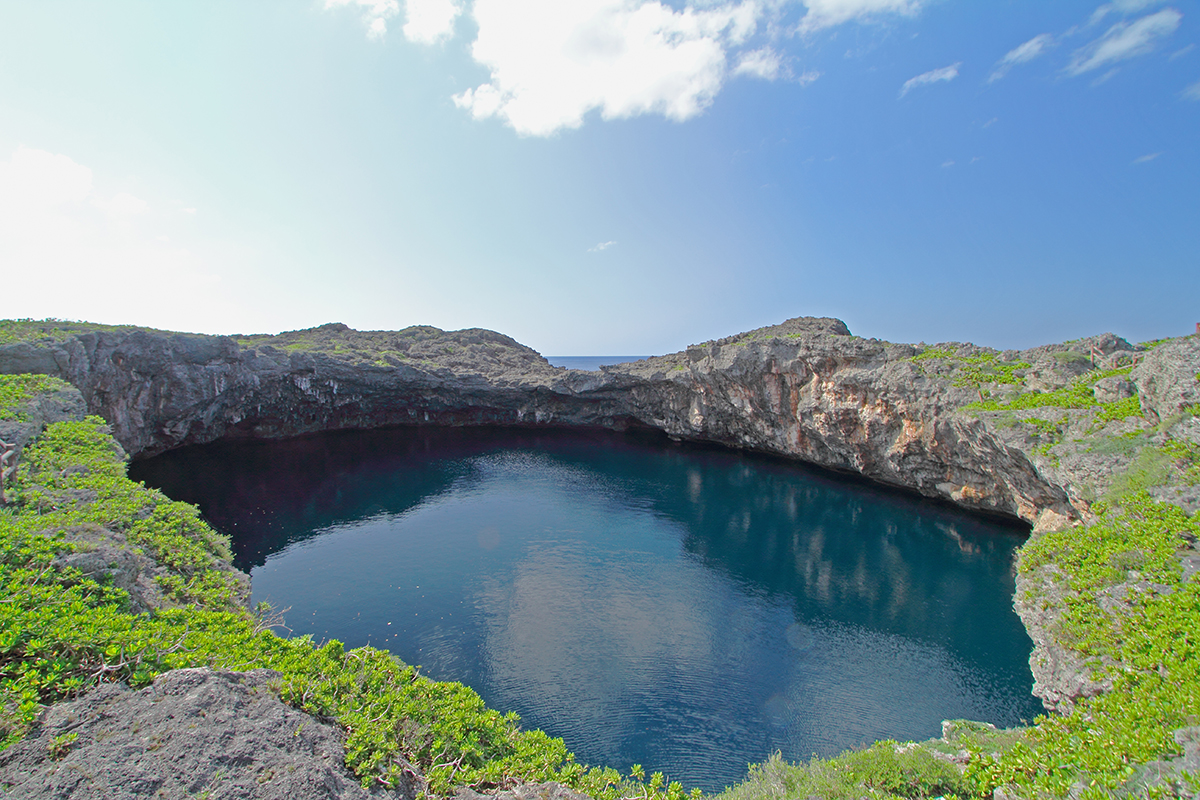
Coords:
pixel 803 389
pixel 1061 678
pixel 526 791
pixel 194 732
pixel 1167 377
pixel 1113 388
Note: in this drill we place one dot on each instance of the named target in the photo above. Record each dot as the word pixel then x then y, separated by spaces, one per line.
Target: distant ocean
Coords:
pixel 590 362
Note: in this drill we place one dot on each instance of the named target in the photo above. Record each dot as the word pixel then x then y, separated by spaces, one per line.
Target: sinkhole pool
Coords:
pixel 691 609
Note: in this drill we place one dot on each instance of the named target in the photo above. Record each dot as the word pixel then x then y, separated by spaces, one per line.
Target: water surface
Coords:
pixel 689 609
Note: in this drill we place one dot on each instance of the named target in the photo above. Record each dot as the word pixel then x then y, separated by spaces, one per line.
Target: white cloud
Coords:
pixel 1192 92
pixel 947 163
pixel 808 76
pixel 827 13
pixel 104 254
pixel 1125 40
pixel 1146 158
pixel 1122 7
pixel 1020 55
pixel 375 13
pixel 601 247
pixel 762 63
pixel 122 204
pixel 552 62
pixel 933 76
pixel 430 21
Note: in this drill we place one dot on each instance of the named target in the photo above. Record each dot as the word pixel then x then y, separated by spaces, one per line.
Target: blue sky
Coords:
pixel 605 176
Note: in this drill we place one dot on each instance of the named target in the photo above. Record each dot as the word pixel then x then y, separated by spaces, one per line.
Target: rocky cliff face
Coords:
pixel 805 389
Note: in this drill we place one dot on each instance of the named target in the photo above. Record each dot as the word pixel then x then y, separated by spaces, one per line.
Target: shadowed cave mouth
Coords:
pixel 688 608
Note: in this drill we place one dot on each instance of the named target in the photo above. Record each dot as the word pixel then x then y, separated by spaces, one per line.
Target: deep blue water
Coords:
pixel 589 362
pixel 690 609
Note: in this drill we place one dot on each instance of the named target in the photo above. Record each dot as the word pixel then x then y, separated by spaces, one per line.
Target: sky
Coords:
pixel 605 177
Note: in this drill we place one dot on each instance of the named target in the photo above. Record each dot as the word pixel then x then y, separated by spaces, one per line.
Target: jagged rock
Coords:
pixel 526 791
pixel 1167 378
pixel 804 389
pixel 1112 388
pixel 192 733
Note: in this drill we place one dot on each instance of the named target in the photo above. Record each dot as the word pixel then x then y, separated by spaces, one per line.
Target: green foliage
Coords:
pixel 62 633
pixel 13 331
pixel 17 390
pixel 884 770
pixel 1156 685
pixel 977 370
pixel 60 744
pixel 1151 467
pixel 1076 394
pixel 1186 456
pixel 1116 410
pixel 932 353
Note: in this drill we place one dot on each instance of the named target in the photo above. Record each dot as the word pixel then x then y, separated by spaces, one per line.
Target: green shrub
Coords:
pixel 884 770
pixel 17 390
pixel 62 633
pixel 1156 683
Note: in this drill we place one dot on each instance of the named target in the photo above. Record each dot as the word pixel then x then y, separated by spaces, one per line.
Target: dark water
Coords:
pixel 685 608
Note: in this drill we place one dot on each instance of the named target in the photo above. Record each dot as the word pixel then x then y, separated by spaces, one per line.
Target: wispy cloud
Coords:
pixel 376 13
pixel 1144 159
pixel 601 247
pixel 762 63
pixel 1125 40
pixel 1192 92
pixel 1020 55
pixel 933 76
pixel 827 13
pixel 1122 7
pixel 430 21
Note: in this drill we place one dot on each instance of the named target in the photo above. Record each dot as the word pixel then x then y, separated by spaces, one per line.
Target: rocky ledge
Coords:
pixel 804 389
pixel 242 742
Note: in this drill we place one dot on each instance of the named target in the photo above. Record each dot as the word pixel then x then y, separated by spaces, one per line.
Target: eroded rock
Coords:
pixel 192 733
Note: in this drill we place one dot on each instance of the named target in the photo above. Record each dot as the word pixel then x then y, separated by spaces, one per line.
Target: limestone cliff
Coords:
pixel 805 389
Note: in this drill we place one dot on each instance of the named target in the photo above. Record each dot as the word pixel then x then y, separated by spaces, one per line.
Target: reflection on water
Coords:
pixel 685 608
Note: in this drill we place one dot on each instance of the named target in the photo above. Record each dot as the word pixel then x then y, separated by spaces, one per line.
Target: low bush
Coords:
pixel 62 633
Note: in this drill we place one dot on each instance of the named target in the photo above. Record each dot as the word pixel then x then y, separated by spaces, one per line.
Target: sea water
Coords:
pixel 691 609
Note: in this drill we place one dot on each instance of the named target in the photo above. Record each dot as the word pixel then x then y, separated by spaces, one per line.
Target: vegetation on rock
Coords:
pixel 1131 611
pixel 63 632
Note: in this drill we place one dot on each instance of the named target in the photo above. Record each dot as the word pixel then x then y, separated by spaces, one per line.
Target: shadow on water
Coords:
pixel 688 608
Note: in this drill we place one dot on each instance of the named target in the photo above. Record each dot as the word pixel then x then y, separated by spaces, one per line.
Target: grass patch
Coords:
pixel 14 331
pixel 17 390
pixel 1076 394
pixel 883 770
pixel 977 370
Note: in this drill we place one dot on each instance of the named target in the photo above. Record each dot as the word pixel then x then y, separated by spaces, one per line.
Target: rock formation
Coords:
pixel 953 422
pixel 240 742
pixel 805 389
